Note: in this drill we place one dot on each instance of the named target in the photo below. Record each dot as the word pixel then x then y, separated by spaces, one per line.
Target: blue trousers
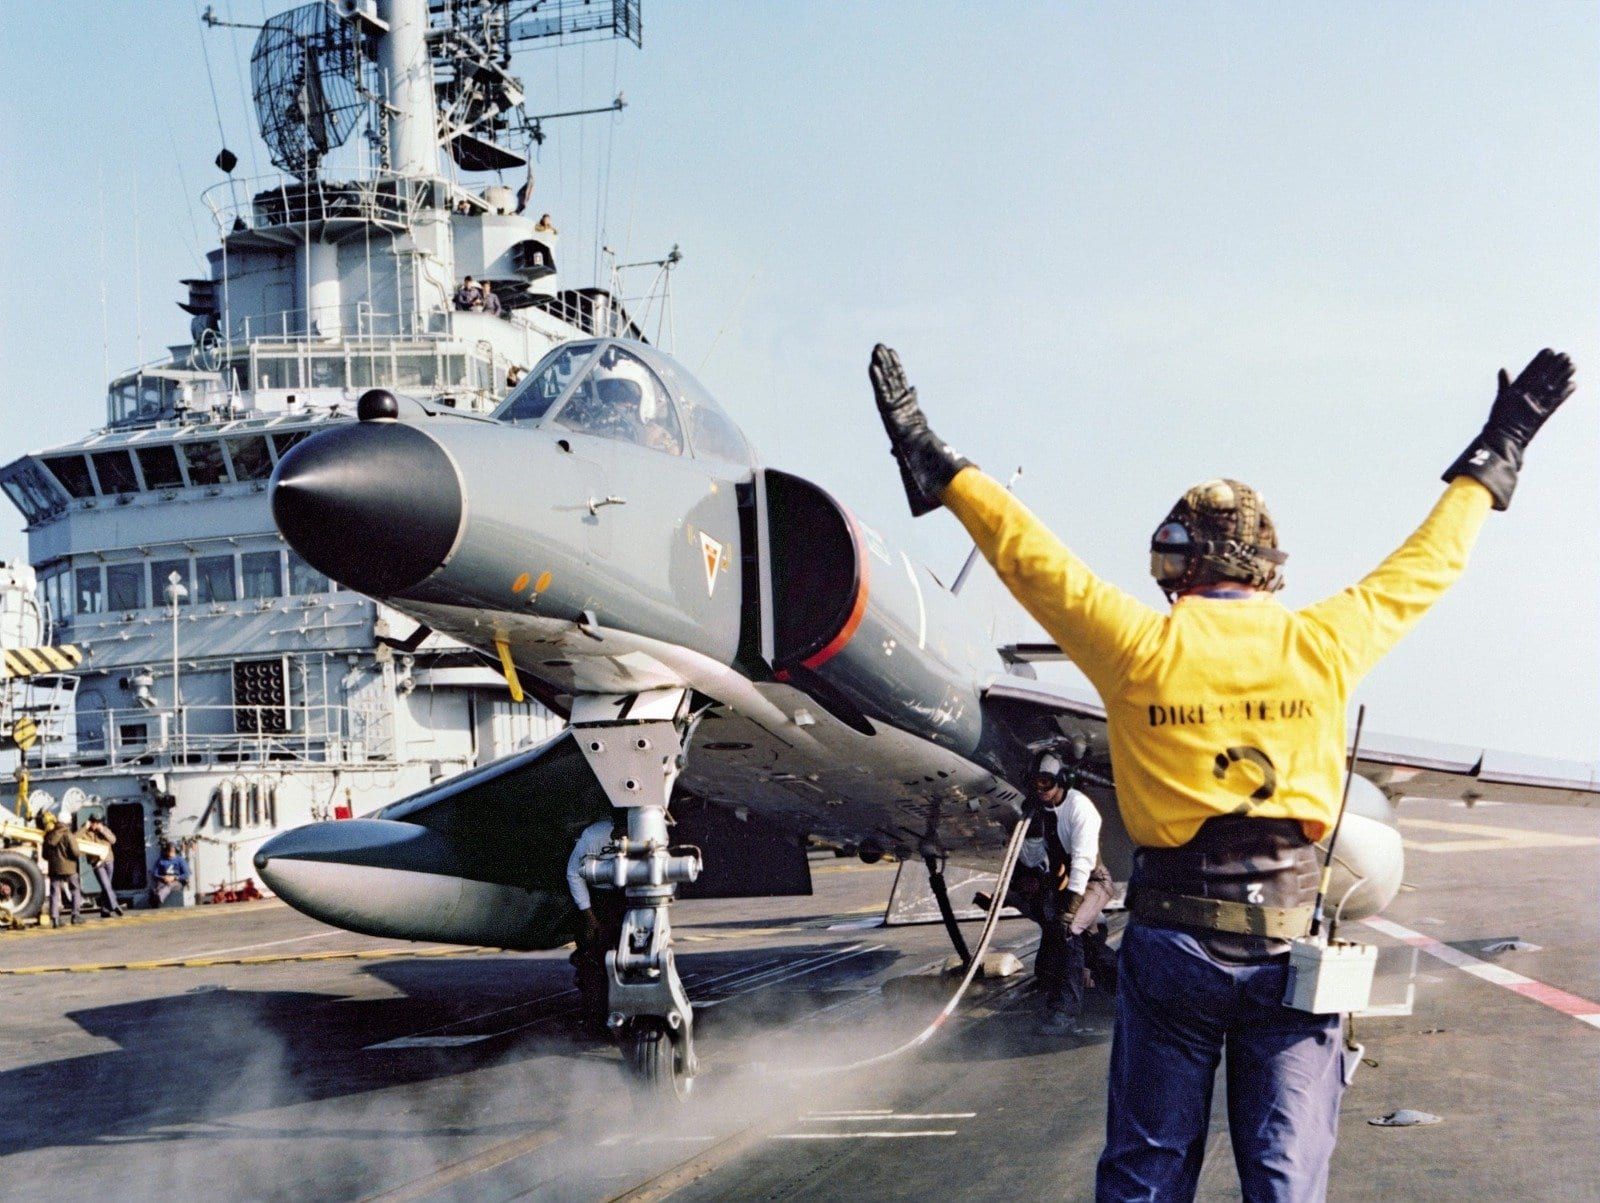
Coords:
pixel 1179 1011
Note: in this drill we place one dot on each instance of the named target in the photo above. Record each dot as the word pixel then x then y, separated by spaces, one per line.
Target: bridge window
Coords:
pixel 124 587
pixel 327 371
pixel 415 371
pixel 287 439
pixel 160 466
pixel 205 463
pixel 161 576
pixel 91 597
pixel 621 399
pixel 213 578
pixel 73 473
pixel 278 371
pixel 31 491
pixel 263 573
pixel 250 458
pixel 303 578
pixel 115 470
pixel 52 587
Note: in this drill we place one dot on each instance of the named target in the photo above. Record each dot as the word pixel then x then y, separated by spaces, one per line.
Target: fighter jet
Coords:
pixel 725 639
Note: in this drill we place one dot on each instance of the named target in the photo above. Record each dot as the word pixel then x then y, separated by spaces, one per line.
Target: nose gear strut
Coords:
pixel 634 744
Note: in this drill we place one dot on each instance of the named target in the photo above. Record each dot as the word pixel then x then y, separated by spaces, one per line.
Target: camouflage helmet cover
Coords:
pixel 1219 530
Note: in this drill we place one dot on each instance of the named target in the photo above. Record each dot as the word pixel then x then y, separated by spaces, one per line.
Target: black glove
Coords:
pixel 927 464
pixel 1520 408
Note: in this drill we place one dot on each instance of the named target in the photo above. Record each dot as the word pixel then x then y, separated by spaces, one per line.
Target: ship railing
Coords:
pixel 315 326
pixel 280 202
pixel 412 352
pixel 154 736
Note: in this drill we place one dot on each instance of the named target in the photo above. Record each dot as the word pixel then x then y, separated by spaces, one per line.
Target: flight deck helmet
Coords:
pixel 1219 531
pixel 1050 768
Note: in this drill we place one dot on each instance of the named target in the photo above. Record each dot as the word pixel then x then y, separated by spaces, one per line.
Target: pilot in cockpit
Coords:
pixel 619 401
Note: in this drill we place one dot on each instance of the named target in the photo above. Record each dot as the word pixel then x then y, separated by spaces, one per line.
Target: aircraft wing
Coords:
pixel 1416 768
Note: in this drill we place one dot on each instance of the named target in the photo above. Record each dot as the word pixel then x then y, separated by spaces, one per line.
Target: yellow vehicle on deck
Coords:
pixel 22 875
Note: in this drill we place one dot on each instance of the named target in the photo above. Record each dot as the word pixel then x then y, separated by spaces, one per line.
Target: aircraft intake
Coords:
pixel 378 506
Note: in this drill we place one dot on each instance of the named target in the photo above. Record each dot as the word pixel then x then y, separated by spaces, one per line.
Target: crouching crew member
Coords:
pixel 600 913
pixel 1060 884
pixel 1226 719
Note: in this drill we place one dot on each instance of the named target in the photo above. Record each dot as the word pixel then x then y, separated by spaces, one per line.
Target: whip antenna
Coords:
pixel 1327 863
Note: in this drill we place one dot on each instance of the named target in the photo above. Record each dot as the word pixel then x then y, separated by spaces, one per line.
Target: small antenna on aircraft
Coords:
pixel 972 556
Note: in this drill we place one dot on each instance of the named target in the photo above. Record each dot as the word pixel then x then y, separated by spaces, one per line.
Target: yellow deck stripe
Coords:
pixel 366 954
pixel 164 915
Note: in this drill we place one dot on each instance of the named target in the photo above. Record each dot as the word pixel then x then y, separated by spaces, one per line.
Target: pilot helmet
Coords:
pixel 626 368
pixel 1218 531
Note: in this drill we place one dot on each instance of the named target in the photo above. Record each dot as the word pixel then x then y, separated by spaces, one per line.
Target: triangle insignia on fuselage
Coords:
pixel 712 551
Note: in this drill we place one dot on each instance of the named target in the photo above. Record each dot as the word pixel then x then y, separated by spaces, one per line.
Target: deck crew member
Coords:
pixel 61 862
pixel 1051 886
pixel 171 873
pixel 600 912
pixel 1226 719
pixel 103 866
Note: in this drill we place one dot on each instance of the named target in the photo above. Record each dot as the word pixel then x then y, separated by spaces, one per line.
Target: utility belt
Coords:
pixel 1245 886
pixel 1219 914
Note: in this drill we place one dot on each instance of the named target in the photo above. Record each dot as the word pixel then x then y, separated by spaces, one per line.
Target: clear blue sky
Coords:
pixel 1127 246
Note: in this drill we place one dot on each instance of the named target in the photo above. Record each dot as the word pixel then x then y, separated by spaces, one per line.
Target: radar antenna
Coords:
pixel 312 70
pixel 306 74
pixel 479 100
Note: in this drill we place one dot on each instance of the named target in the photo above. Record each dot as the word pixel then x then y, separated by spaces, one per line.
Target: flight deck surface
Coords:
pixel 266 1056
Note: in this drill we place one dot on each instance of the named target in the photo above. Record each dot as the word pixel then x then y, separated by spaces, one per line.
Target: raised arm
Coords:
pixel 1366 620
pixel 1369 618
pixel 1095 623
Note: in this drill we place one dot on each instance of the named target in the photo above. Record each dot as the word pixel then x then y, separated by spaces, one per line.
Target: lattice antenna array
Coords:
pixel 306 75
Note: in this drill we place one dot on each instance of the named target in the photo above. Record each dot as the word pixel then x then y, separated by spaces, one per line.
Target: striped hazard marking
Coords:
pixel 31 661
pixel 1580 1009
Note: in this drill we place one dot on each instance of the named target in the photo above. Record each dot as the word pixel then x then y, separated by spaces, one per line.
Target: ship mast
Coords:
pixel 411 129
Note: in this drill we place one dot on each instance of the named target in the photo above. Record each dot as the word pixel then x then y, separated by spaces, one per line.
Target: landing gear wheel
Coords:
pixel 659 1062
pixel 23 895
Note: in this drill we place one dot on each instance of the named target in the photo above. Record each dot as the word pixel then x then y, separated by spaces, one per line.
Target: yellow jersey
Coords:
pixel 1222 705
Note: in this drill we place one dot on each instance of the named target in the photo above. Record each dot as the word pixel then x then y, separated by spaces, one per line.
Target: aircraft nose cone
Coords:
pixel 376 505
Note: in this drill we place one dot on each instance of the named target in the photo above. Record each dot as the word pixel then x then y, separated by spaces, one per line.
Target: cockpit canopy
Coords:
pixel 618 389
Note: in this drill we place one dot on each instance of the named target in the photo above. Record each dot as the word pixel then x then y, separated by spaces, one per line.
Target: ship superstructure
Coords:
pixel 229 689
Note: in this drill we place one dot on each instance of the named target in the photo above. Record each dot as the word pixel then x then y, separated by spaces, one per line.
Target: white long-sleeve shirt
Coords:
pixel 592 842
pixel 1078 829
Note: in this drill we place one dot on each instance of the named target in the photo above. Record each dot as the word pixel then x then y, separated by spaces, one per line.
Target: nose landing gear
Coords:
pixel 634 744
pixel 663 1067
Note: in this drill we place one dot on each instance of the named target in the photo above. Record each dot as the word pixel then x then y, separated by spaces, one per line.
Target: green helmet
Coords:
pixel 1219 531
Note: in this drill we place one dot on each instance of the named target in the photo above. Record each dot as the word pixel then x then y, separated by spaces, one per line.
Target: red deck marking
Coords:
pixel 1580 1009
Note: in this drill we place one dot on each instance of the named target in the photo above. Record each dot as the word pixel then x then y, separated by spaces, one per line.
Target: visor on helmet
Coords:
pixel 1170 550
